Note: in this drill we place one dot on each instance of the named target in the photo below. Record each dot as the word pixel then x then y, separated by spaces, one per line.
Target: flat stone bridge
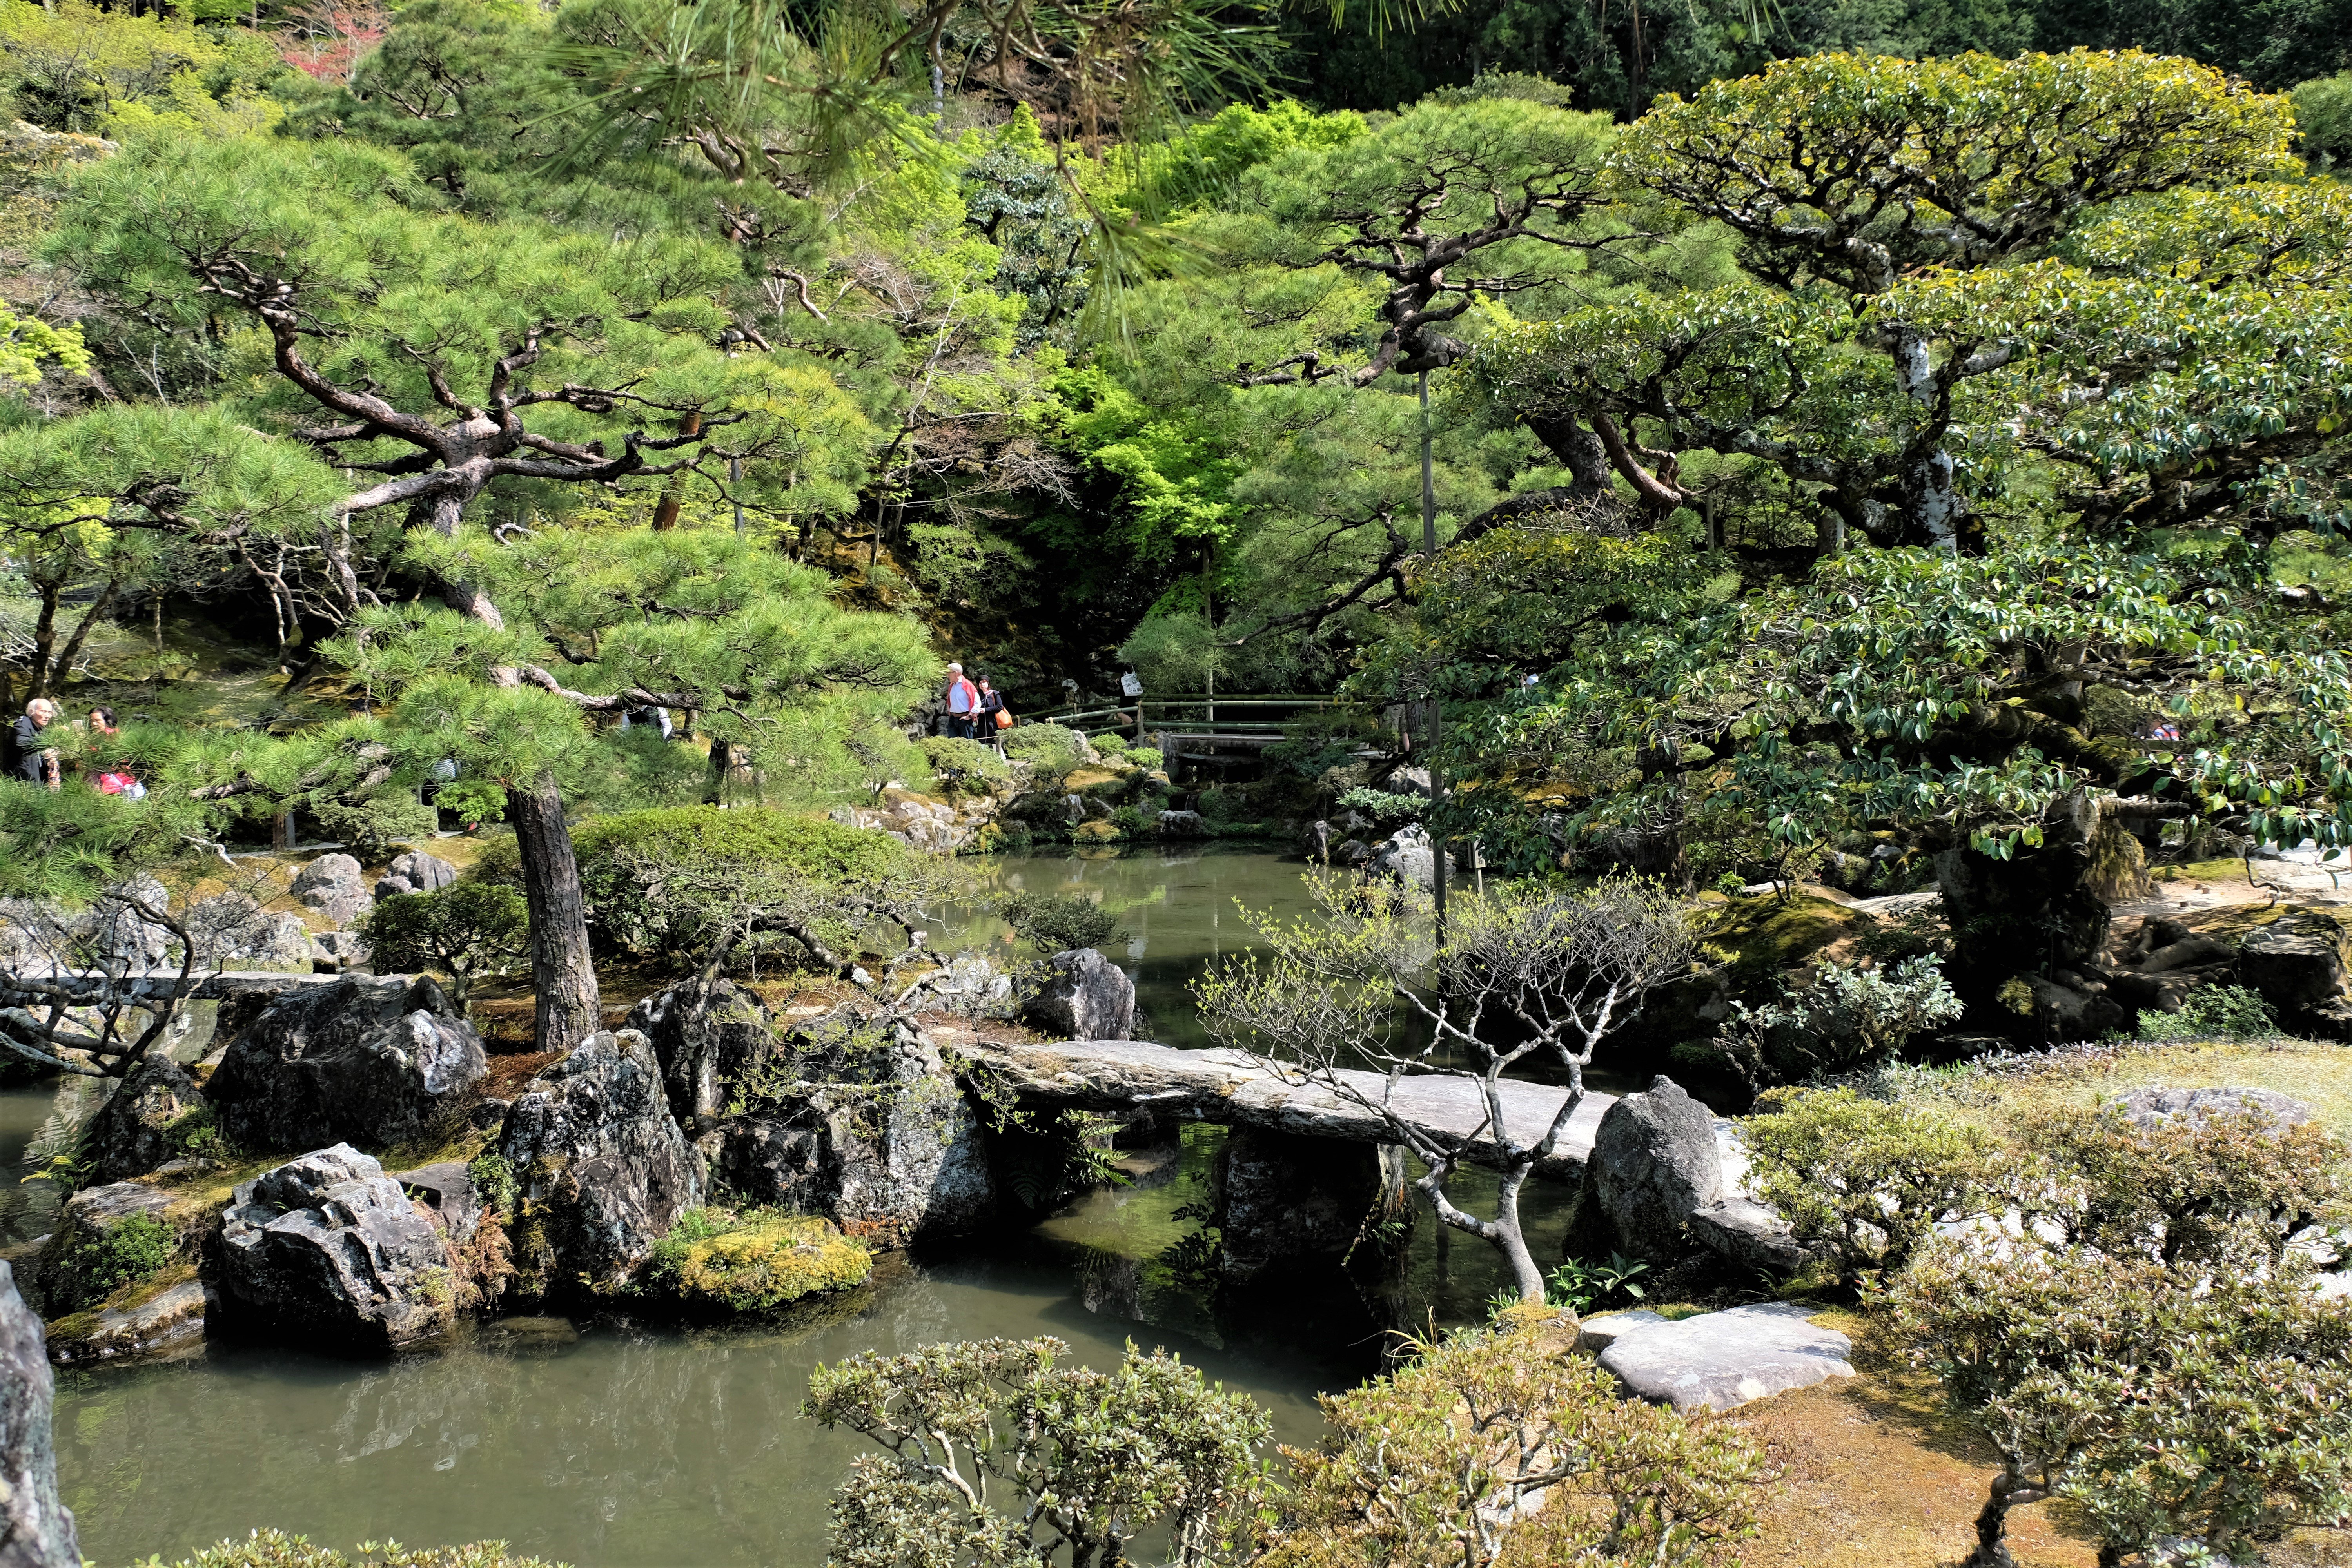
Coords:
pixel 1234 1089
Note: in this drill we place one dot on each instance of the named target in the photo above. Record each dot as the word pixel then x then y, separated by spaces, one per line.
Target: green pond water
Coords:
pixel 605 1442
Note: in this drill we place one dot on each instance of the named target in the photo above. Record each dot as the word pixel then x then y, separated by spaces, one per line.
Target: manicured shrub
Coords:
pixel 1862 1182
pixel 1057 923
pixel 965 767
pixel 1421 1466
pixel 373 830
pixel 756 1262
pixel 276 1549
pixel 464 929
pixel 1055 749
pixel 682 879
pixel 1148 758
pixel 1852 1018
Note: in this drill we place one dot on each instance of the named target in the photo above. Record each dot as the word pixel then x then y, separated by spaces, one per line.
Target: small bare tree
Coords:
pixel 1356 1000
pixel 92 992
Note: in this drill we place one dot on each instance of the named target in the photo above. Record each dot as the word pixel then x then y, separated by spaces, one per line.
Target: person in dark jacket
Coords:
pixel 992 703
pixel 37 763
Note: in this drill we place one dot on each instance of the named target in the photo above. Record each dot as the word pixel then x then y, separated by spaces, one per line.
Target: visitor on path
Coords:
pixel 994 717
pixel 650 717
pixel 964 704
pixel 35 763
pixel 113 776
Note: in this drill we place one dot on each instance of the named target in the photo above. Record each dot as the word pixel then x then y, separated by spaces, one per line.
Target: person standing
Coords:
pixel 964 704
pixel 992 703
pixel 113 775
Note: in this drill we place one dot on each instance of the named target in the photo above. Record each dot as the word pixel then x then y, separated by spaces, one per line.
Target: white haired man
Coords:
pixel 36 763
pixel 964 704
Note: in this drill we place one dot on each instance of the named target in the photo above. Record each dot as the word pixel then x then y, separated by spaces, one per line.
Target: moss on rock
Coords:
pixel 756 1262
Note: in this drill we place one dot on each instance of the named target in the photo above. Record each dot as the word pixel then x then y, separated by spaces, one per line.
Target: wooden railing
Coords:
pixel 1257 716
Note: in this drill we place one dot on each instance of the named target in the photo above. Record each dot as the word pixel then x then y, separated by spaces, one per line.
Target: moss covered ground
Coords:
pixel 756 1262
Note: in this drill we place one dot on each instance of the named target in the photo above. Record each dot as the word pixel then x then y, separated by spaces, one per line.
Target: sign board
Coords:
pixel 1128 686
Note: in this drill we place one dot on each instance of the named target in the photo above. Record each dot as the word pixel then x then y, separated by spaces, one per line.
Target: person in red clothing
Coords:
pixel 964 704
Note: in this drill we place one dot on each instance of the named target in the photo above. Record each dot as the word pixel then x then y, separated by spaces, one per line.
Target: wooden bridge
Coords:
pixel 1252 723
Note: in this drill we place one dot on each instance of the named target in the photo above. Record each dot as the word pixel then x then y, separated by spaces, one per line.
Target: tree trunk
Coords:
pixel 1513 1240
pixel 561 971
pixel 1578 450
pixel 1992 1525
pixel 673 494
pixel 442 513
pixel 1932 507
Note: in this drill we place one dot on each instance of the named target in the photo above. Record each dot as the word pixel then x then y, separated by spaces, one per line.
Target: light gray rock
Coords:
pixel 328 1247
pixel 447 1193
pixel 376 1061
pixel 2155 1106
pixel 168 1323
pixel 1086 997
pixel 333 886
pixel 231 929
pixel 37 1530
pixel 973 987
pixel 1407 856
pixel 1741 1231
pixel 132 1132
pixel 604 1170
pixel 1183 825
pixel 393 888
pixel 340 953
pixel 1720 1360
pixel 424 873
pixel 1597 1333
pixel 1654 1164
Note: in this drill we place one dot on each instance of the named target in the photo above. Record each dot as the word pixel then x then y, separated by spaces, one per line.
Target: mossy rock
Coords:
pixel 757 1262
pixel 1762 933
pixel 1097 831
pixel 1103 781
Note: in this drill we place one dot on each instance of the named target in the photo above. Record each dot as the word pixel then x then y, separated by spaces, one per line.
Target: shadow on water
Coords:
pixel 608 1444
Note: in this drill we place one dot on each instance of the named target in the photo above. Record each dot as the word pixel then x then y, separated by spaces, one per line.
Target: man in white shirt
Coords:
pixel 963 700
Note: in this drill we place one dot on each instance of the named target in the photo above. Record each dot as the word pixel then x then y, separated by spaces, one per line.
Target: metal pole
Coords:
pixel 1429 726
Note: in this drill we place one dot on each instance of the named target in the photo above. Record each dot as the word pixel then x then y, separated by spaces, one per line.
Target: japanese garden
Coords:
pixel 956 783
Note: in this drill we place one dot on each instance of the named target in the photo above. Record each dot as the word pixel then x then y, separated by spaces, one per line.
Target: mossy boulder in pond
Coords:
pixel 755 1262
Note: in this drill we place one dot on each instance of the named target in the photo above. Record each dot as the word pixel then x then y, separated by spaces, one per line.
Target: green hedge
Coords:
pixel 654 881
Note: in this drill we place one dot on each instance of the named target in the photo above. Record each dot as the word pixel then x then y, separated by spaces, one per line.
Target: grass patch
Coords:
pixel 755 1261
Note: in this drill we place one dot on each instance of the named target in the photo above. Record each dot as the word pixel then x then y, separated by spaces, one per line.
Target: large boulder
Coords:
pixel 707 1036
pixel 910 1161
pixel 2298 966
pixel 333 886
pixel 230 930
pixel 1719 1361
pixel 1085 997
pixel 329 1249
pixel 1654 1164
pixel 134 1132
pixel 604 1170
pixel 376 1061
pixel 37 1530
pixel 781 1160
pixel 424 873
pixel 2035 901
pixel 1408 857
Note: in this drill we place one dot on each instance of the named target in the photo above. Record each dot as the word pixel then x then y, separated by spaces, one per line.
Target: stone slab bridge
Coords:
pixel 1234 1089
pixel 1287 1191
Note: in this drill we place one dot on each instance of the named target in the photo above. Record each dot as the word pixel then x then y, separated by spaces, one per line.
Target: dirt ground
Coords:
pixel 1873 1474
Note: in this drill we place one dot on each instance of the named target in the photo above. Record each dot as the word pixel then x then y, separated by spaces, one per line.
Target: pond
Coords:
pixel 606 1443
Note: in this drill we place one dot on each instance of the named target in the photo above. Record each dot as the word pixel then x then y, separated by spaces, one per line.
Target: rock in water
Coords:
pixel 1289 1202
pixel 706 1038
pixel 329 1248
pixel 1654 1164
pixel 922 1170
pixel 333 886
pixel 1183 825
pixel 782 1160
pixel 378 1061
pixel 605 1171
pixel 40 1531
pixel 132 1133
pixel 424 873
pixel 1088 997
pixel 1719 1361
